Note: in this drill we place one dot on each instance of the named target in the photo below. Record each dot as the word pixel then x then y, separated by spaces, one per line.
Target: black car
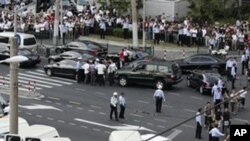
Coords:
pixel 70 55
pixel 34 59
pixel 64 68
pixel 154 72
pixel 202 62
pixel 203 81
pixel 83 47
pixel 101 52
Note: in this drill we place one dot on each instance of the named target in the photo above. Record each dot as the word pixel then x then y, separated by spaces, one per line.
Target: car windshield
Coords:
pixel 212 78
pixel 87 56
pixel 141 55
pixel 29 41
pixel 24 52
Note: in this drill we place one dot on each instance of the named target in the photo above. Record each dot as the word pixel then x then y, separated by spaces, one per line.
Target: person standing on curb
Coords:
pixel 198 125
pixel 159 97
pixel 113 106
pixel 122 103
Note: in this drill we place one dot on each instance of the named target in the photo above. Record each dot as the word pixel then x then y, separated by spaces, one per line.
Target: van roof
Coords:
pixel 37 131
pixel 4 124
pixel 12 34
pixel 56 139
pixel 122 135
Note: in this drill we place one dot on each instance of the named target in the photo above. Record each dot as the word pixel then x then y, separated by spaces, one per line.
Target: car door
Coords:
pixel 146 76
pixel 191 63
pixel 208 62
pixel 195 80
pixel 134 75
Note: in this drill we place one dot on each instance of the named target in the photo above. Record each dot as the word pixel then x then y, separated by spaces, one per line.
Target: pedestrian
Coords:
pixel 121 58
pixel 208 114
pixel 92 72
pixel 226 121
pixel 229 66
pixel 101 68
pixel 215 132
pixel 243 63
pixel 113 106
pixel 125 27
pixel 233 102
pixel 242 98
pixel 233 75
pixel 78 72
pixel 111 72
pixel 198 124
pixel 217 96
pixel 122 103
pixel 86 72
pixel 159 97
pixel 226 97
pixel 218 116
pixel 102 25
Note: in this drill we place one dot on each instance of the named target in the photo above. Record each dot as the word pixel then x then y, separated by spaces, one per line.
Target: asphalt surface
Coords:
pixel 81 112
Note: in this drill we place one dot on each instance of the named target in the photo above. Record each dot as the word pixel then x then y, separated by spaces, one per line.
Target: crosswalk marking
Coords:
pixel 47 79
pixel 63 79
pixel 40 81
pixel 22 89
pixel 37 84
pixel 23 85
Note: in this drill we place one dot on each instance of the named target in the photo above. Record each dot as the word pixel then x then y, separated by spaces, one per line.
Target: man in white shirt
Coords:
pixel 86 72
pixel 111 72
pixel 113 106
pixel 122 103
pixel 198 124
pixel 100 73
pixel 159 97
pixel 243 97
pixel 125 27
pixel 102 25
pixel 215 133
pixel 243 63
pixel 79 75
pixel 233 75
pixel 229 66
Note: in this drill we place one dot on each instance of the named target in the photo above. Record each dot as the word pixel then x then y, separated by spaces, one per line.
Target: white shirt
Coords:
pixel 114 101
pixel 198 117
pixel 220 83
pixel 215 132
pixel 125 25
pixel 86 68
pixel 112 68
pixel 100 68
pixel 77 65
pixel 122 100
pixel 159 93
pixel 229 63
pixel 243 58
pixel 233 71
pixel 243 94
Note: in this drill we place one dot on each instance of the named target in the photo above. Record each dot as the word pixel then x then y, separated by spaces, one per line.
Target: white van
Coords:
pixel 25 41
pixel 4 124
pixel 57 139
pixel 38 131
pixel 125 135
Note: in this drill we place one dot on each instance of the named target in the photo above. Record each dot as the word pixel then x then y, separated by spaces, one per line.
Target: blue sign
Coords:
pixel 18 39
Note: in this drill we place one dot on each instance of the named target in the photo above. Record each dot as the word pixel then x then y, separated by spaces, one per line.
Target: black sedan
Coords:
pixel 83 47
pixel 203 81
pixel 101 52
pixel 70 55
pixel 202 62
pixel 64 68
pixel 34 59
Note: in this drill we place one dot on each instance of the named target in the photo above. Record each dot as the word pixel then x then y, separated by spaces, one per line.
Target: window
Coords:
pixel 164 69
pixel 151 68
pixel 29 41
pixel 4 40
pixel 140 67
pixel 195 59
pixel 207 60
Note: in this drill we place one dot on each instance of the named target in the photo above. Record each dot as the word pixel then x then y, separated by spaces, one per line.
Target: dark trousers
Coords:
pixel 102 33
pixel 125 33
pixel 157 38
pixel 228 73
pixel 100 79
pixel 122 111
pixel 158 104
pixel 86 78
pixel 233 82
pixel 243 66
pixel 180 41
pixel 79 76
pixel 198 131
pixel 92 78
pixel 111 78
pixel 64 36
pixel 188 41
pixel 246 64
pixel 215 138
pixel 113 109
pixel 217 101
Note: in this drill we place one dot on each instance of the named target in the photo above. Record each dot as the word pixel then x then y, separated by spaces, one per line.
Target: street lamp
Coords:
pixel 13 61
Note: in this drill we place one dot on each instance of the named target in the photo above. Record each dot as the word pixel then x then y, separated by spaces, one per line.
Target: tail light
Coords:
pixel 206 85
pixel 173 77
pixel 94 52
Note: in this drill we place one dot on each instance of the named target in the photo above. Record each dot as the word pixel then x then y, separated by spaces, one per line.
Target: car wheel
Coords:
pixel 49 72
pixel 201 90
pixel 58 51
pixel 159 84
pixel 123 81
pixel 188 83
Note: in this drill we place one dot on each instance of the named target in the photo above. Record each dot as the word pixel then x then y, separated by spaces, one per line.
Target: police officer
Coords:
pixel 113 106
pixel 215 133
pixel 198 125
pixel 101 68
pixel 79 75
pixel 122 103
pixel 111 72
pixel 159 97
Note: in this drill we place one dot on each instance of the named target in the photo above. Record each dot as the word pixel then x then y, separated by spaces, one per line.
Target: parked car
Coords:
pixel 64 68
pixel 82 47
pixel 102 50
pixel 202 62
pixel 70 55
pixel 153 72
pixel 34 59
pixel 203 81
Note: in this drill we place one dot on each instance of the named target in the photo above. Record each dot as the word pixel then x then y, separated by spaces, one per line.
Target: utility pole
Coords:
pixel 134 24
pixel 143 24
pixel 61 19
pixel 15 20
pixel 56 23
pixel 13 88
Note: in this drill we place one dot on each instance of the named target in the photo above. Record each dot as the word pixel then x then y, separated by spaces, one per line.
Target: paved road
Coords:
pixel 81 112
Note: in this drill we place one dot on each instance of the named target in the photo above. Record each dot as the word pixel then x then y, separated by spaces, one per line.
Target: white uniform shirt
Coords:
pixel 114 101
pixel 198 117
pixel 159 93
pixel 100 68
pixel 243 58
pixel 229 63
pixel 112 68
pixel 233 71
pixel 215 132
pixel 86 68
pixel 122 100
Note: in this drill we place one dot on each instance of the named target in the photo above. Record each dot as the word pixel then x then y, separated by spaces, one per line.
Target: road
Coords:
pixel 81 112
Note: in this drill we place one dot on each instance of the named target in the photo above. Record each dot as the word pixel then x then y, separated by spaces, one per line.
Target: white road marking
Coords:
pixel 63 79
pixel 161 120
pixel 241 120
pixel 49 118
pixel 73 124
pixel 46 79
pixel 38 81
pixel 151 124
pixel 197 98
pixel 107 132
pixel 48 101
pixel 27 85
pixel 160 126
pixel 84 126
pixel 38 106
pixel 79 108
pixel 100 93
pixel 136 121
pixel 136 115
pixel 60 121
pixel 174 134
pixel 189 126
pixel 74 102
pixel 167 106
pixel 27 113
pixel 97 130
pixel 175 94
pixel 54 98
pixel 144 102
pixel 101 113
pixel 92 111
pixel 94 106
pixel 190 110
pixel 39 116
